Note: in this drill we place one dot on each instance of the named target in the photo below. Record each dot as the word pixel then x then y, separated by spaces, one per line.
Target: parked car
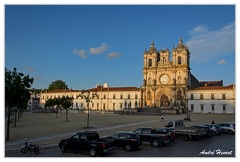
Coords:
pixel 153 136
pixel 87 141
pixel 227 127
pixel 209 132
pixel 215 128
pixel 168 130
pixel 127 140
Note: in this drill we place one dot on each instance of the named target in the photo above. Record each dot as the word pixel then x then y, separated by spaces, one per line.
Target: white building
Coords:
pixel 108 98
pixel 212 99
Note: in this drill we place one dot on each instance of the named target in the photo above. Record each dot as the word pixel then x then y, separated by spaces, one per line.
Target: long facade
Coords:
pixel 107 98
pixel 167 83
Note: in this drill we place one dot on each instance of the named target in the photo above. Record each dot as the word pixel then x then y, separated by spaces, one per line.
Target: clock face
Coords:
pixel 164 79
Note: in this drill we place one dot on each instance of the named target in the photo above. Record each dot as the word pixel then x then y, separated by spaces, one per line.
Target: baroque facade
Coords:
pixel 167 84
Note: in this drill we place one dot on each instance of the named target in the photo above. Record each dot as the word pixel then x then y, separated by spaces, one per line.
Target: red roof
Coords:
pixel 99 89
pixel 214 87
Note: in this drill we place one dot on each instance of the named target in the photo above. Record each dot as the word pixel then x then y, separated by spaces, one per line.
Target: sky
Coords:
pixel 85 45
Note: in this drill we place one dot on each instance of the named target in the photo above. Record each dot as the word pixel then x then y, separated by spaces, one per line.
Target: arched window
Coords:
pixel 164 60
pixel 150 62
pixel 179 60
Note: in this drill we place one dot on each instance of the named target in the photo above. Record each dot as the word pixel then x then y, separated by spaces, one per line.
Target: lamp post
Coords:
pixel 88 98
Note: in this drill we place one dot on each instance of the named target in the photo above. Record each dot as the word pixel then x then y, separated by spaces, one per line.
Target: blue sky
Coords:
pixel 88 44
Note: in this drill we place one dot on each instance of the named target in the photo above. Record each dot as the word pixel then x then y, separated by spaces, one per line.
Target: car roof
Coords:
pixel 124 132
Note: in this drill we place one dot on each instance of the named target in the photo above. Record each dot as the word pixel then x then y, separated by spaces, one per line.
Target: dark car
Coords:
pixel 209 132
pixel 215 128
pixel 152 136
pixel 87 141
pixel 127 140
pixel 168 130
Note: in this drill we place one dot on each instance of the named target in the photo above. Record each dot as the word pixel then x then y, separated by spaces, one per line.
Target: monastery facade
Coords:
pixel 167 84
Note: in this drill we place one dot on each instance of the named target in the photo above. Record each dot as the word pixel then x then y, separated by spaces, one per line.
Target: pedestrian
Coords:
pixel 162 118
pixel 213 122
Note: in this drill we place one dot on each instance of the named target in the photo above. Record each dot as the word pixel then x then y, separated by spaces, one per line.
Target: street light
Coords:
pixel 88 98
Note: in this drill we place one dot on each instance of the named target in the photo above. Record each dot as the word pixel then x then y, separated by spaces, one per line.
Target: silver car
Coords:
pixel 227 127
pixel 217 130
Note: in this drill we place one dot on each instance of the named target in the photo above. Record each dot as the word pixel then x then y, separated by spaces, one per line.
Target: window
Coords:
pixel 192 107
pixel 75 137
pixel 104 96
pixel 97 105
pixel 224 107
pixel 192 96
pixel 201 96
pixel 150 62
pixel 121 105
pixel 213 107
pixel 129 96
pixel 92 105
pixel 76 104
pixel 114 96
pixel 223 96
pixel 136 96
pixel 121 96
pixel 179 60
pixel 114 106
pixel 202 107
pixel 212 96
pixel 164 60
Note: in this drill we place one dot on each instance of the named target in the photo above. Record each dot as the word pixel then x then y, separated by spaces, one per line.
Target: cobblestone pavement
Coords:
pixel 217 146
pixel 47 130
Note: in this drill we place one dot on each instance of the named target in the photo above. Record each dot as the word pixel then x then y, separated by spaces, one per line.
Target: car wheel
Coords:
pixel 155 143
pixel 93 152
pixel 63 148
pixel 128 147
pixel 186 138
pixel 230 132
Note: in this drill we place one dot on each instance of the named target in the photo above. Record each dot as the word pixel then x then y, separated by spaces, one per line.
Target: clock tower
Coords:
pixel 166 80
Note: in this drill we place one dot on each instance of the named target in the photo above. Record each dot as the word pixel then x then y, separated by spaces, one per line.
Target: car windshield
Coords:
pixel 135 136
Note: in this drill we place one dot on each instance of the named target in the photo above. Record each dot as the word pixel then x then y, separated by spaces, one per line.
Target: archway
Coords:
pixel 164 101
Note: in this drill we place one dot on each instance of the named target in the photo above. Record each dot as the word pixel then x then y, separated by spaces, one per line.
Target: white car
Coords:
pixel 227 127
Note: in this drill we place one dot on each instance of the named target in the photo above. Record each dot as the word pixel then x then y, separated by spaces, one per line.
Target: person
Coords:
pixel 162 119
pixel 213 122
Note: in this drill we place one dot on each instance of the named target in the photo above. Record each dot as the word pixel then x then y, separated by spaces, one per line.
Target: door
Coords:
pixel 164 101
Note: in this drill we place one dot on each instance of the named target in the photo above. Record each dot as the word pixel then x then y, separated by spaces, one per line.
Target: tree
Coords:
pixel 88 98
pixel 66 102
pixel 58 84
pixel 16 93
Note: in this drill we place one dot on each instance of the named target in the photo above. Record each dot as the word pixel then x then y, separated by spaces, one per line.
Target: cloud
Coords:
pixel 113 55
pixel 222 61
pixel 37 78
pixel 29 68
pixel 98 50
pixel 205 45
pixel 81 53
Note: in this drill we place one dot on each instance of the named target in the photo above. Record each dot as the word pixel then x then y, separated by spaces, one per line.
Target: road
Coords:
pixel 217 146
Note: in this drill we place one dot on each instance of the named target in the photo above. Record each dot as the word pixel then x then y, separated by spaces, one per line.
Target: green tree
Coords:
pixel 58 84
pixel 66 102
pixel 16 93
